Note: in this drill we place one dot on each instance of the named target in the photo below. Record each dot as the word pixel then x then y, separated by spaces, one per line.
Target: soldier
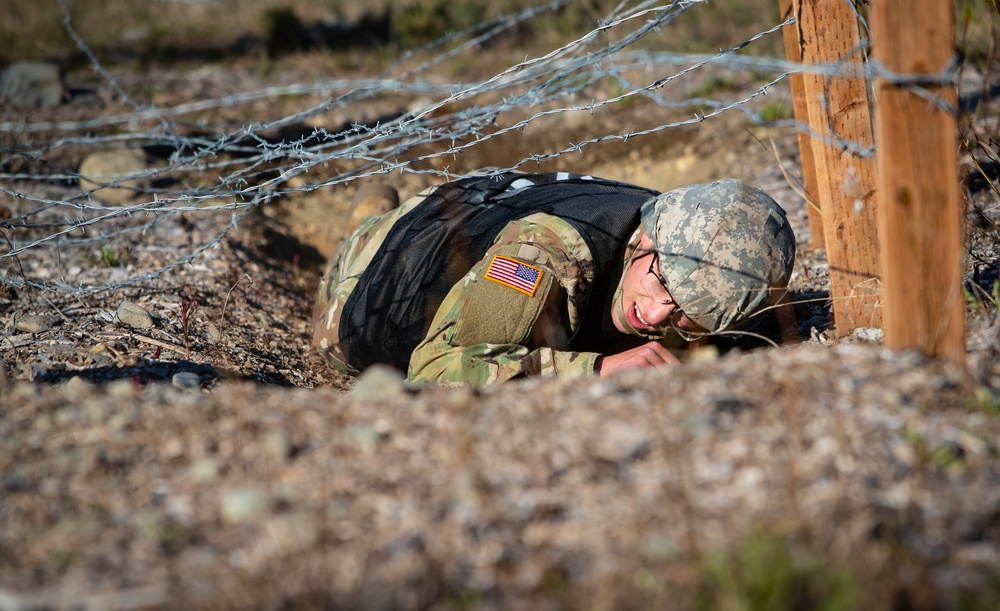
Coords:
pixel 507 275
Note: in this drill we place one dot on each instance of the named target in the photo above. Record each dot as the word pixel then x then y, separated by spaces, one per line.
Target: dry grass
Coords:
pixel 33 30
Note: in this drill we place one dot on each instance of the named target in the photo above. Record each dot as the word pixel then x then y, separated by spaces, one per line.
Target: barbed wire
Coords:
pixel 252 164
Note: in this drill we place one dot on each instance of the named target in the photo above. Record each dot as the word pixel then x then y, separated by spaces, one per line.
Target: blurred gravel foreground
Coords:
pixel 815 477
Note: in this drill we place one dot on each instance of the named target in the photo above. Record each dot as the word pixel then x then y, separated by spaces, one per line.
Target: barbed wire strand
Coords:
pixel 251 166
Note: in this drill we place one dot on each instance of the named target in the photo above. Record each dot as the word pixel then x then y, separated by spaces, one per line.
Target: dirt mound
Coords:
pixel 858 470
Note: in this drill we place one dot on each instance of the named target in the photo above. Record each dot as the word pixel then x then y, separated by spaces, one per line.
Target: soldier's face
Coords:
pixel 646 306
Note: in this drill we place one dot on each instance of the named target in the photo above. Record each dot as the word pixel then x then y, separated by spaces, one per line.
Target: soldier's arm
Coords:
pixel 482 364
pixel 493 327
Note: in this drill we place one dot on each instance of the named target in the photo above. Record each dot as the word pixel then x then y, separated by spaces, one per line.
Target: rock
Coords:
pixel 205 471
pixel 276 445
pixel 371 200
pixel 244 505
pixel 104 167
pixel 212 332
pixel 122 389
pixel 704 355
pixel 289 534
pixel 365 438
pixel 134 315
pixel 36 324
pixel 77 385
pixel 28 85
pixel 873 335
pixel 379 382
pixel 186 379
pixel 620 442
pixel 15 482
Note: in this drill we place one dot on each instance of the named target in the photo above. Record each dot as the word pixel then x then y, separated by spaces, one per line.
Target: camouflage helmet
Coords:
pixel 725 248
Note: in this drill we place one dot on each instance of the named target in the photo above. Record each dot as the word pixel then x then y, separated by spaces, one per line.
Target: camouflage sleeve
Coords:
pixel 491 328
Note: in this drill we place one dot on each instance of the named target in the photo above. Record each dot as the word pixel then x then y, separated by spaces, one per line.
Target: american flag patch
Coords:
pixel 513 273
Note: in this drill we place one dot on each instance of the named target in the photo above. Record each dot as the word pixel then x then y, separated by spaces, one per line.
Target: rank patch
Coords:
pixel 513 273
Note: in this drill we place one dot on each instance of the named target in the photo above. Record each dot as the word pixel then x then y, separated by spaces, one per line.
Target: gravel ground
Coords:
pixel 211 461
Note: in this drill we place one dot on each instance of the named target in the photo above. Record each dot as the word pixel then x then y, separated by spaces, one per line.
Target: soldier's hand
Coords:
pixel 650 354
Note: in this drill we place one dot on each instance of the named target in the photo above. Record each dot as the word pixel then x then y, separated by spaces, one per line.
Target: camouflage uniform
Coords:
pixel 487 330
pixel 342 273
pixel 462 346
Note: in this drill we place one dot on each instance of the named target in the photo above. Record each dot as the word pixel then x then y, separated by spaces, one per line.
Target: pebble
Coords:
pixel 365 438
pixel 26 85
pixel 873 335
pixel 372 200
pixel 121 389
pixel 704 355
pixel 289 534
pixel 186 379
pixel 77 385
pixel 212 332
pixel 134 315
pixel 205 471
pixel 15 483
pixel 242 505
pixel 109 166
pixel 620 442
pixel 276 445
pixel 379 382
pixel 36 324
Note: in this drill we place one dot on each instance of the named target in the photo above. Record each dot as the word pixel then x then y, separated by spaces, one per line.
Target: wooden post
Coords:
pixel 793 52
pixel 845 181
pixel 920 215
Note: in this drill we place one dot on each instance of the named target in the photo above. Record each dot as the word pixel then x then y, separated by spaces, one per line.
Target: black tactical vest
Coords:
pixel 434 245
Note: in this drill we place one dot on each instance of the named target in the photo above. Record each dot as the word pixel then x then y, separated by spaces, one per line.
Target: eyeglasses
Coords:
pixel 656 287
pixel 657 290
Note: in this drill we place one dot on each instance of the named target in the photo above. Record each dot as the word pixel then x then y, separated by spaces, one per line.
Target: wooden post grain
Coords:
pixel 793 53
pixel 920 213
pixel 845 180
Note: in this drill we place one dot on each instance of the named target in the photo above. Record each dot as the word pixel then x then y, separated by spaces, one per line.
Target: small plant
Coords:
pixel 285 32
pixel 979 300
pixel 970 300
pixel 768 571
pixel 775 111
pixel 225 304
pixel 187 308
pixel 617 89
pixel 984 401
pixel 713 84
pixel 420 22
pixel 416 23
pixel 108 257
pixel 265 65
